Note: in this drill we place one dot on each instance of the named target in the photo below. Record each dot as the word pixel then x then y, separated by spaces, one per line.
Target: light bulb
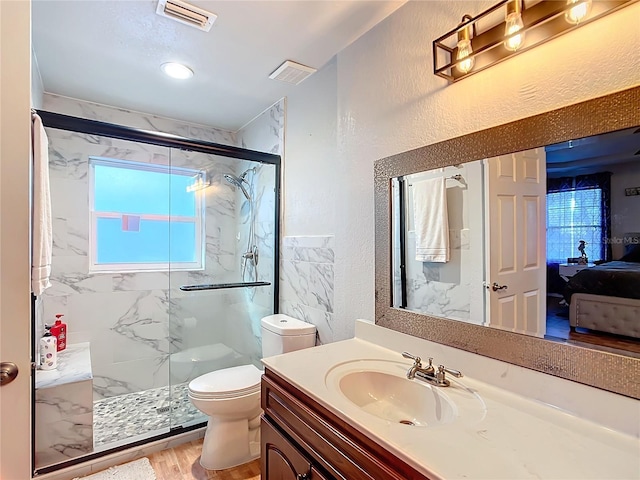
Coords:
pixel 464 49
pixel 578 13
pixel 513 24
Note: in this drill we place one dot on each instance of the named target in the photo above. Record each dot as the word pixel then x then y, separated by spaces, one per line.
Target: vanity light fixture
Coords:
pixel 177 70
pixel 482 41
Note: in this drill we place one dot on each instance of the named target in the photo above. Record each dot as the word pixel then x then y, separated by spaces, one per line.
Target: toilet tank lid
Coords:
pixel 285 325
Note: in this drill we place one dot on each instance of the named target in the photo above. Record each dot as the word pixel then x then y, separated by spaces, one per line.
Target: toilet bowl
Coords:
pixel 230 397
pixel 195 361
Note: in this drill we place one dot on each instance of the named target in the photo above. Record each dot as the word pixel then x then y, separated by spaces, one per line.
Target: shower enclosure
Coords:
pixel 164 262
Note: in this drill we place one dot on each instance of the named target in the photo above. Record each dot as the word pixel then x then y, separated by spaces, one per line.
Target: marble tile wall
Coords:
pixel 64 422
pixel 64 408
pixel 125 316
pixel 265 133
pixel 454 289
pixel 307 281
pixel 129 118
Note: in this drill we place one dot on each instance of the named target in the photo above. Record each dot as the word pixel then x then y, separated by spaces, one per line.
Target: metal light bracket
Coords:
pixel 543 21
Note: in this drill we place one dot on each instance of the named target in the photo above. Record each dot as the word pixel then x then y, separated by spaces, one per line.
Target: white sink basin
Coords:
pixel 397 399
pixel 380 388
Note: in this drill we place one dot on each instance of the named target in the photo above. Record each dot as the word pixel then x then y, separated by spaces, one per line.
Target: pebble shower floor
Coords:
pixel 117 418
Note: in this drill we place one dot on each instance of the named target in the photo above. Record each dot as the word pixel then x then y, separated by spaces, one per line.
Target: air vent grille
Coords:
pixel 292 72
pixel 185 13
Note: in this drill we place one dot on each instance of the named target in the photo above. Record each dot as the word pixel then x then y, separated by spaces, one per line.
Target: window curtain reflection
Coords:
pixel 597 181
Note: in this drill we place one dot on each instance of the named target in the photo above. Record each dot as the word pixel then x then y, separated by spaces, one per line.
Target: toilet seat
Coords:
pixel 226 383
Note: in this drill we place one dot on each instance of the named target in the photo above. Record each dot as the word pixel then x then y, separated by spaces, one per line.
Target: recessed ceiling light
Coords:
pixel 177 70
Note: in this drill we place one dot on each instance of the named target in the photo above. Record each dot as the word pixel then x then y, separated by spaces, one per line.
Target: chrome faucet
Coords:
pixel 429 374
pixel 417 366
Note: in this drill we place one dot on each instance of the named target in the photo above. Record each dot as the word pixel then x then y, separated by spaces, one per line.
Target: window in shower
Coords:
pixel 144 217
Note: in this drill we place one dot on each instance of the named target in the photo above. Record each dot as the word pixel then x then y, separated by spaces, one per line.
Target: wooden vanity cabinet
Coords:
pixel 302 440
pixel 281 459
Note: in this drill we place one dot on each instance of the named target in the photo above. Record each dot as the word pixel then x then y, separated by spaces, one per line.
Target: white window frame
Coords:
pixel 199 220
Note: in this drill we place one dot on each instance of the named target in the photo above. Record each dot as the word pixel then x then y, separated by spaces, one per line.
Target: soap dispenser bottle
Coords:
pixel 48 351
pixel 59 330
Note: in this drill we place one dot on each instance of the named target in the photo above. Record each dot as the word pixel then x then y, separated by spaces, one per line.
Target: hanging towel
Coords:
pixel 42 228
pixel 430 220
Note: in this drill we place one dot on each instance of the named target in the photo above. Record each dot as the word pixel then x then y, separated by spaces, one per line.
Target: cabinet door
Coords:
pixel 281 460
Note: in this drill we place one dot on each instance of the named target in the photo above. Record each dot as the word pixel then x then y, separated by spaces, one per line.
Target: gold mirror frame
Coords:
pixel 597 368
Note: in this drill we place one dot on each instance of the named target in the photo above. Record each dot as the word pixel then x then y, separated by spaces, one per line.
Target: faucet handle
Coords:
pixel 451 371
pixel 416 359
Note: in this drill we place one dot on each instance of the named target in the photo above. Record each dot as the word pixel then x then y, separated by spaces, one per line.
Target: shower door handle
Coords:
pixel 219 286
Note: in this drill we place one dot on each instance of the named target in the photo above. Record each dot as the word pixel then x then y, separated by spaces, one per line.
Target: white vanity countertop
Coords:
pixel 74 365
pixel 518 438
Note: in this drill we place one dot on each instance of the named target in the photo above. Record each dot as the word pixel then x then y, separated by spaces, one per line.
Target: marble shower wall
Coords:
pixel 265 133
pixel 129 118
pixel 454 289
pixel 307 282
pixel 125 316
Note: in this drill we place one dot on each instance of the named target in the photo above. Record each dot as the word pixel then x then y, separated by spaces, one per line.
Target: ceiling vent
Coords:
pixel 292 72
pixel 185 13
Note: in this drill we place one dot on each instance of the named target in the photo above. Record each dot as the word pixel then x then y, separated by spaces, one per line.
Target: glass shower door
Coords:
pixel 222 273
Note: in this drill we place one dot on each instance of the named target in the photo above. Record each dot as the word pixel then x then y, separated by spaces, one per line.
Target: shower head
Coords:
pixel 233 180
pixel 244 174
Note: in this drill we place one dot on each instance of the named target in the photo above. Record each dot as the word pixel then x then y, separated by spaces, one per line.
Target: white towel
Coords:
pixel 430 220
pixel 42 228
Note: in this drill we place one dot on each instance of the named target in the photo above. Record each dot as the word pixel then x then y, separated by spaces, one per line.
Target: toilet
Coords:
pixel 231 397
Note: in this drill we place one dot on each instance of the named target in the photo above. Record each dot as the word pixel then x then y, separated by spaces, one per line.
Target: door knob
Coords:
pixel 8 371
pixel 496 288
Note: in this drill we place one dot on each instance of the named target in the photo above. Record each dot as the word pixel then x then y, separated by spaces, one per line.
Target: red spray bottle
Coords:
pixel 59 330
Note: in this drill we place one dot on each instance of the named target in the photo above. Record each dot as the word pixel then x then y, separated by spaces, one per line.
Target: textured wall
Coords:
pixel 389 101
pixel 311 164
pixel 626 209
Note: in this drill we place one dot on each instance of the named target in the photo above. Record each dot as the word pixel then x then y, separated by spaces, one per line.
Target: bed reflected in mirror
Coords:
pixel 543 242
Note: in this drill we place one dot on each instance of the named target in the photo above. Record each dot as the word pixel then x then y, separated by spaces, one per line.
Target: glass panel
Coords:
pixel 117 324
pixel 214 329
pixel 139 358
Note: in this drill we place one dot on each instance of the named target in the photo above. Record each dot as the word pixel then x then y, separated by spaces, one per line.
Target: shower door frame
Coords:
pixel 93 127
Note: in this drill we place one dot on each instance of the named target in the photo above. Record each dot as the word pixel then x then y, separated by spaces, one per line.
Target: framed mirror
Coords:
pixel 515 228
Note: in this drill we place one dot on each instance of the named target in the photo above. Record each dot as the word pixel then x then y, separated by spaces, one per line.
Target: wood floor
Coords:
pixel 183 463
pixel 558 328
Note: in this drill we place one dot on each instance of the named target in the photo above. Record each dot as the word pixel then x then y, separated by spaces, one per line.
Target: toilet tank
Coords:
pixel 282 333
